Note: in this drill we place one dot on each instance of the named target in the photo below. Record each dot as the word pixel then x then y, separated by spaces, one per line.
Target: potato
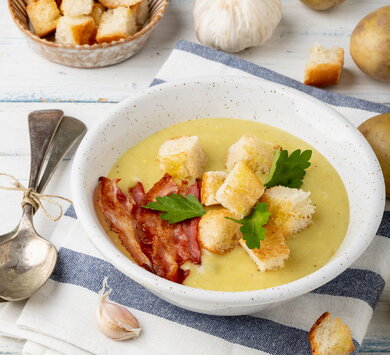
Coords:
pixel 377 132
pixel 321 4
pixel 370 44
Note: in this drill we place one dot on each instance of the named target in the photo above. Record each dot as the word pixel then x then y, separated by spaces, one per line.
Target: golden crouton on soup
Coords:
pixel 218 234
pixel 240 190
pixel 273 251
pixel 211 182
pixel 182 157
pixel 291 209
pixel 253 151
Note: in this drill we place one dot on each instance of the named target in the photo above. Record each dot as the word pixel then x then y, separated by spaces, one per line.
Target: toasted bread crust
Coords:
pixel 316 325
pixel 85 33
pixel 344 346
pixel 324 66
pixel 323 75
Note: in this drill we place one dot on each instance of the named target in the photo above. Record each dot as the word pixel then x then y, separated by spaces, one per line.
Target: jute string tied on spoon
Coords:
pixel 34 198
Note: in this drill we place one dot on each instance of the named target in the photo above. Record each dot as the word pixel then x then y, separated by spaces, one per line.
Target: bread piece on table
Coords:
pixel 112 4
pixel 324 66
pixel 76 30
pixel 74 8
pixel 211 182
pixel 182 157
pixel 218 234
pixel 44 15
pixel 142 12
pixel 240 190
pixel 256 153
pixel 116 24
pixel 273 250
pixel 291 209
pixel 330 336
pixel 97 12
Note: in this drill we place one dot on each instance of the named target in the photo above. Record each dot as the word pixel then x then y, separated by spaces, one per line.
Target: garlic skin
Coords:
pixel 233 25
pixel 115 321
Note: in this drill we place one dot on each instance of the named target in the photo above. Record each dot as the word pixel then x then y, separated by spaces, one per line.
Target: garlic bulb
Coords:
pixel 115 321
pixel 233 25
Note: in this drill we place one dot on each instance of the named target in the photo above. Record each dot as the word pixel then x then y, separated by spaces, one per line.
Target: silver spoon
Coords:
pixel 26 259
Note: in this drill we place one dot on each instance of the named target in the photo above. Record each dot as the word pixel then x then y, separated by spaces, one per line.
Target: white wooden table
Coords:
pixel 29 82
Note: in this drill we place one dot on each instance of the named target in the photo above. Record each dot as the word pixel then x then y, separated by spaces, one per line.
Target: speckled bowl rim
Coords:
pixel 240 298
pixel 152 23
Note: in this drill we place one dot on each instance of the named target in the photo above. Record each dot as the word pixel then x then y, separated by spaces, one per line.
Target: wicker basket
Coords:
pixel 87 56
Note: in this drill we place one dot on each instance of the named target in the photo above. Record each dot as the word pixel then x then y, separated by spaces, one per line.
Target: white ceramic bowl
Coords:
pixel 250 99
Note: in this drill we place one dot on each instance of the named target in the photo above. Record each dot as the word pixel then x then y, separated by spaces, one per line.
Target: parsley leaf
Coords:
pixel 288 170
pixel 177 208
pixel 252 225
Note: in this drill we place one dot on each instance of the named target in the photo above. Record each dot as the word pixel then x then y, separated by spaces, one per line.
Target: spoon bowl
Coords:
pixel 26 260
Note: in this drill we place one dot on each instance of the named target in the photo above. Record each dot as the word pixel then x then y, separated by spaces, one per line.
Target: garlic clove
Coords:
pixel 114 320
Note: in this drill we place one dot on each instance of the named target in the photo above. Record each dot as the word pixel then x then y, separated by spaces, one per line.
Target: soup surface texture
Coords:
pixel 235 271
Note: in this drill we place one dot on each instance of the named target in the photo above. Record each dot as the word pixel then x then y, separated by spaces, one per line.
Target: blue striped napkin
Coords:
pixel 60 317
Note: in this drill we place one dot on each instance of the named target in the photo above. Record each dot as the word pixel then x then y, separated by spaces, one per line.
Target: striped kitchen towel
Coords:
pixel 60 317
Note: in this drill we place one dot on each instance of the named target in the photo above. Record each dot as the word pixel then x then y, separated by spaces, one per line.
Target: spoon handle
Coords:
pixel 68 133
pixel 42 125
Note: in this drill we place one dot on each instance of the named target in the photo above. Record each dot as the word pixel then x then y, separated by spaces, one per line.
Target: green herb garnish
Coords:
pixel 177 208
pixel 252 225
pixel 288 170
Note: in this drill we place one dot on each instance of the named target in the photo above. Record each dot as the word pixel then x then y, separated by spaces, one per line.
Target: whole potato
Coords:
pixel 370 44
pixel 377 132
pixel 321 4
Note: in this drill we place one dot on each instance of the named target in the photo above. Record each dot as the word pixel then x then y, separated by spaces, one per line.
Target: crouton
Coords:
pixel 330 336
pixel 112 4
pixel 273 250
pixel 291 209
pixel 211 182
pixel 142 12
pixel 182 157
pixel 257 154
pixel 97 12
pixel 116 24
pixel 76 30
pixel 218 234
pixel 324 66
pixel 44 15
pixel 240 190
pixel 74 8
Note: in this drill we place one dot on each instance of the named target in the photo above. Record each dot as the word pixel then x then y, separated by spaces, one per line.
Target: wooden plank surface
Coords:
pixel 29 82
pixel 25 76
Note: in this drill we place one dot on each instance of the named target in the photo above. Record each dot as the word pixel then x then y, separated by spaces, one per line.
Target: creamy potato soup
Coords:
pixel 235 271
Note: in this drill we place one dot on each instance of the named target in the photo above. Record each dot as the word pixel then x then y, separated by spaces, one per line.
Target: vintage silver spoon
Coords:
pixel 26 259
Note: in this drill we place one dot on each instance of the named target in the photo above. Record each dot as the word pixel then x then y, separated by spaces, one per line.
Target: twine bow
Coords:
pixel 34 198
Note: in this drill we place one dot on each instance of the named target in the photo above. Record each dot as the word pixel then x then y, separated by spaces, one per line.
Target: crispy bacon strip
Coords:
pixel 162 247
pixel 187 231
pixel 137 192
pixel 117 208
pixel 163 187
